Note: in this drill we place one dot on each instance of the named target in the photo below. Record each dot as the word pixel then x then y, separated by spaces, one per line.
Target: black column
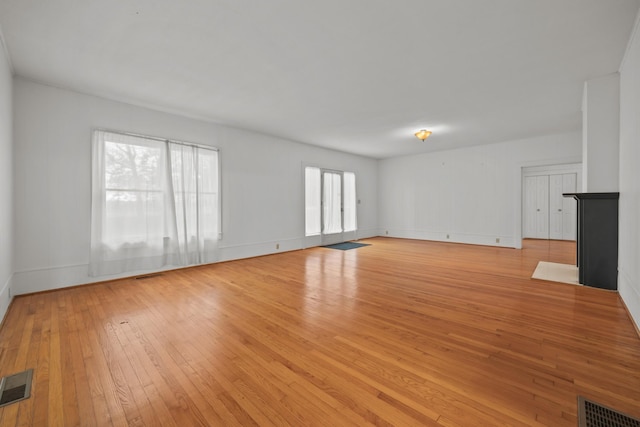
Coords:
pixel 597 239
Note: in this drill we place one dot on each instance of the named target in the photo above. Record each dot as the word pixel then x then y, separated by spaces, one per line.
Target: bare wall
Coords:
pixel 470 195
pixel 262 181
pixel 629 216
pixel 6 181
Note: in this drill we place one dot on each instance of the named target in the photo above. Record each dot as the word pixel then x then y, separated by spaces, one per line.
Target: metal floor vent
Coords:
pixel 16 387
pixel 591 414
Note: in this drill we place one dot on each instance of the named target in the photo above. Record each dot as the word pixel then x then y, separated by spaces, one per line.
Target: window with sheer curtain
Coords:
pixel 155 203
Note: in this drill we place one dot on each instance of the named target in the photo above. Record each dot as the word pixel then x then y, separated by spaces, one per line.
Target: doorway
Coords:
pixel 330 199
pixel 546 213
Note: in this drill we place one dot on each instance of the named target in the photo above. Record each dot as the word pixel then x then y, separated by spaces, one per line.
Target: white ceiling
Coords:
pixel 359 76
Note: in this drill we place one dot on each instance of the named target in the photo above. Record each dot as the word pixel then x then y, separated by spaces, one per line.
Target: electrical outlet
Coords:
pixel 497 240
pixel 447 236
pixel 277 245
pixel 386 232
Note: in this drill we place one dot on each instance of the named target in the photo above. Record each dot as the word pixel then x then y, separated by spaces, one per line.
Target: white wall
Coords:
pixel 262 182
pixel 473 195
pixel 6 181
pixel 629 217
pixel 600 138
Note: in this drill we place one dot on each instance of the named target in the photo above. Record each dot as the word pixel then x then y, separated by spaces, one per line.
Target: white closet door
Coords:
pixel 542 209
pixel 556 203
pixel 536 207
pixel 529 229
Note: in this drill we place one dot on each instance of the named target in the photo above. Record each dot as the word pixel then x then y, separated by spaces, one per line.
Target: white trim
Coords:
pixel 55 267
pixel 220 195
pixel 157 138
pixel 629 295
pixel 59 277
pixel 40 280
pixel 6 297
pixel 441 236
pixel 269 242
pixel 552 169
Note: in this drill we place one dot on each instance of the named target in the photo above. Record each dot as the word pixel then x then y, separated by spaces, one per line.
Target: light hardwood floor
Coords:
pixel 401 333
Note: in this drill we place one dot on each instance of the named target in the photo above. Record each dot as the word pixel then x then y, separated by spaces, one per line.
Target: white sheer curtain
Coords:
pixel 332 203
pixel 312 201
pixel 350 220
pixel 154 204
pixel 194 173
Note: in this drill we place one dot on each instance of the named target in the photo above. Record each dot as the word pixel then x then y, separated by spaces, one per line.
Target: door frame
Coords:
pixel 320 239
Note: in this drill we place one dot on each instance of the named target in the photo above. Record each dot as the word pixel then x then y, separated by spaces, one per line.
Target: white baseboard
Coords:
pixel 45 279
pixel 470 239
pixel 365 234
pixel 5 297
pixel 630 294
pixel 48 278
pixel 250 250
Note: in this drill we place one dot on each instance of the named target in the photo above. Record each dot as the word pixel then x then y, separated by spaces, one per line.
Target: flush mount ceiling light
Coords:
pixel 423 134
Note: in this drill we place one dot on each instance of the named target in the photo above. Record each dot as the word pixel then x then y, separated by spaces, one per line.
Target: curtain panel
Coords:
pixel 154 203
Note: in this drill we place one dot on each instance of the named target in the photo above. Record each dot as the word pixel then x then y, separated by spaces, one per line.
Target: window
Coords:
pixel 154 203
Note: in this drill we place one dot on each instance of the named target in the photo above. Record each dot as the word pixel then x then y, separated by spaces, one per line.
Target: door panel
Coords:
pixel 529 207
pixel 542 207
pixel 562 212
pixel 556 216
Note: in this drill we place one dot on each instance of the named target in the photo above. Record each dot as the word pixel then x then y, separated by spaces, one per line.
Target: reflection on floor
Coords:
pixel 554 272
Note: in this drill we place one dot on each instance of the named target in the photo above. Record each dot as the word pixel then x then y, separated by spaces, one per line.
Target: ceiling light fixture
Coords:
pixel 423 134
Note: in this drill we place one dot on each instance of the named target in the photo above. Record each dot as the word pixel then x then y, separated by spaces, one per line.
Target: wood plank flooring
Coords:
pixel 402 332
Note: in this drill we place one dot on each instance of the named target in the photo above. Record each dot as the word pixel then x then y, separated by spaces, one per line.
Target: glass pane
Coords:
pixel 208 189
pixel 133 167
pixel 332 199
pixel 195 187
pixel 134 193
pixel 312 201
pixel 133 218
pixel 350 223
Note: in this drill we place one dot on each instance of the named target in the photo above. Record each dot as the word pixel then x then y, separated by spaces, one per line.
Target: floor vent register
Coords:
pixel 591 414
pixel 16 387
